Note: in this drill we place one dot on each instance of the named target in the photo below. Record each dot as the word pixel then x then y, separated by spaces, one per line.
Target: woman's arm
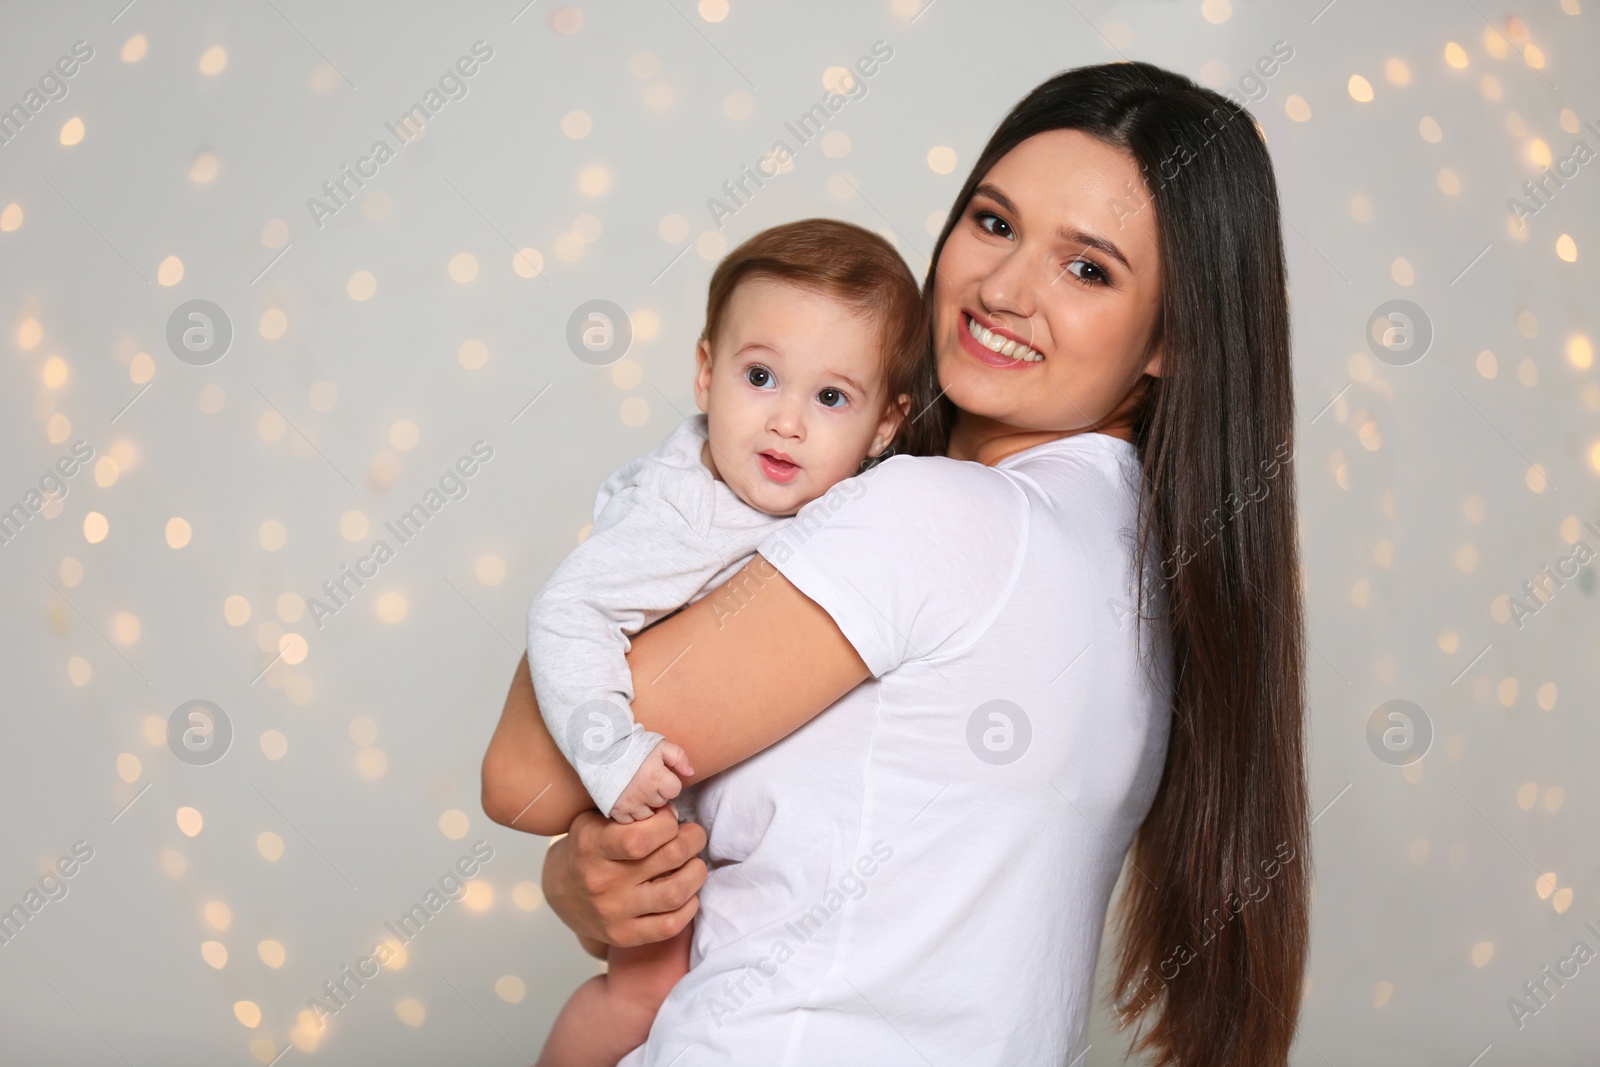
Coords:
pixel 726 677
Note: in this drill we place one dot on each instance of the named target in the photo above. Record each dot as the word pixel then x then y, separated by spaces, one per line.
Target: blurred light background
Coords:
pixel 257 342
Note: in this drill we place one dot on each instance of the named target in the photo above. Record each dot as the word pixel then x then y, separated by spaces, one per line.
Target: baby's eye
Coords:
pixel 832 398
pixel 758 376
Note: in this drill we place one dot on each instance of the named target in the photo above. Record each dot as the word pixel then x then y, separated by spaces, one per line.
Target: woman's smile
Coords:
pixel 996 349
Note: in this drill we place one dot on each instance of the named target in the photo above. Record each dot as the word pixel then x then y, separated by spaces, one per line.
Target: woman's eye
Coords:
pixel 831 398
pixel 1092 275
pixel 760 377
pixel 999 228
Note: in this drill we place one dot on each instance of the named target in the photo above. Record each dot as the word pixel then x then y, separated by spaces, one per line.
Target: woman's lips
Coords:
pixel 984 355
pixel 778 470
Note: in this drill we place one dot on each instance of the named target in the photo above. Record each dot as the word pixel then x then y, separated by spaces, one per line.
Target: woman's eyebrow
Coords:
pixel 1066 233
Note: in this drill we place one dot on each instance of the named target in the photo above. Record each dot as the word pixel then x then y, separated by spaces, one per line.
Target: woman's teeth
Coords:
pixel 1003 345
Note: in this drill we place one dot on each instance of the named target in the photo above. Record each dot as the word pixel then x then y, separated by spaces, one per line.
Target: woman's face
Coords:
pixel 1056 257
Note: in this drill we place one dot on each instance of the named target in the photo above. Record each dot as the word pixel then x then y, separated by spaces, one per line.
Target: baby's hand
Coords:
pixel 653 784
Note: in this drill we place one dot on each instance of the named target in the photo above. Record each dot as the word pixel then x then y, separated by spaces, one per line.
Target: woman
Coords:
pixel 920 873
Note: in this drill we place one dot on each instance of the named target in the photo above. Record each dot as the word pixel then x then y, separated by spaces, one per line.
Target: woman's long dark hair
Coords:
pixel 1213 937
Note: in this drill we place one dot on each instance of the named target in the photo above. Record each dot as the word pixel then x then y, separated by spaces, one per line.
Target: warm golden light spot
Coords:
pixel 527 896
pixel 371 763
pixel 1397 71
pixel 1482 953
pixel 1490 87
pixel 1580 353
pixel 594 180
pixel 411 1012
pixel 391 608
pixel 275 234
pixel 463 267
pixel 212 398
pixel 1487 365
pixel 941 159
pixel 713 10
pixel 125 627
pixel 738 105
pixel 190 821
pixel 172 861
pixel 274 745
pixel 658 96
pixel 1216 12
pixel 29 332
pixel 453 824
pixel 839 80
pixel 274 323
pixel 362 285
pixel 128 767
pixel 270 845
pixel 1562 900
pixel 568 247
pixel 1554 797
pixel 1402 272
pixel 478 895
pixel 509 987
pixel 635 411
pixel 1449 641
pixel 587 228
pixel 1494 43
pixel 711 245
pixel 1546 884
pixel 271 953
pixel 294 648
pixel 1296 108
pixel 1360 210
pixel 79 673
pixel 1539 152
pixel 55 373
pixel 363 731
pixel 141 368
pixel 377 205
pixel 236 609
pixel 527 262
pixel 1499 611
pixel 353 525
pixel 154 728
pixel 836 144
pixel 1528 373
pixel 646 324
pixel 1536 478
pixel 10 220
pixel 272 535
pixel 1506 692
pixel 1547 696
pixel 398 955
pixel 490 570
pixel 627 374
pixel 95 527
pixel 170 272
pixel 1371 439
pixel 323 396
pixel 204 169
pixel 135 48
pixel 1455 55
pixel 72 131
pixel 1466 559
pixel 577 124
pixel 1385 990
pixel 71 571
pixel 106 472
pixel 1533 55
pixel 247 1013
pixel 215 953
pixel 1449 182
pixel 404 435
pixel 1360 89
pixel 1567 248
pixel 213 60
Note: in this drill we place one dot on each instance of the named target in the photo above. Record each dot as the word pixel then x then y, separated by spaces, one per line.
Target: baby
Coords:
pixel 803 373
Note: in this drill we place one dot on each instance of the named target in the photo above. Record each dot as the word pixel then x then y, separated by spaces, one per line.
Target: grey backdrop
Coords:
pixel 379 338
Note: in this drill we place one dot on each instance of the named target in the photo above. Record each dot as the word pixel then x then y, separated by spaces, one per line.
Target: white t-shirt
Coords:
pixel 921 873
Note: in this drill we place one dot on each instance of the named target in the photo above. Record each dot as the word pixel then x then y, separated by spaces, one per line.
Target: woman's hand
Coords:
pixel 625 884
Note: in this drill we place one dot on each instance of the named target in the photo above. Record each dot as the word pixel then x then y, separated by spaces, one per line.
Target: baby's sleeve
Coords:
pixel 644 559
pixel 912 560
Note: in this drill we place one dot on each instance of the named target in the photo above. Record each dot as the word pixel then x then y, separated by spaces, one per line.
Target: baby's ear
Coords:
pixel 702 374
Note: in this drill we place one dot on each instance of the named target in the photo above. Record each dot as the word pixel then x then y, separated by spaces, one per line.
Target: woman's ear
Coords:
pixel 893 416
pixel 1152 366
pixel 702 375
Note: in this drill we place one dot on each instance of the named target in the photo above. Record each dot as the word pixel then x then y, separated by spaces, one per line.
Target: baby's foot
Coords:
pixel 653 784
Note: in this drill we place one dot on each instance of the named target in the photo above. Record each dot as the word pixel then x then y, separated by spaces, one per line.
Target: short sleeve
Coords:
pixel 912 560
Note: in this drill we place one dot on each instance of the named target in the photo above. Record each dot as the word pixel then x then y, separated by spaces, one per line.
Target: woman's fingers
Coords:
pixel 648 929
pixel 671 891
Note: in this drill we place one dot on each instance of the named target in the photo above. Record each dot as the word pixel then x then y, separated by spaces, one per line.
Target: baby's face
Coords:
pixel 793 391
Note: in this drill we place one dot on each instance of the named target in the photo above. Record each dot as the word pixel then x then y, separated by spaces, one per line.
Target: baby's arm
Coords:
pixel 644 559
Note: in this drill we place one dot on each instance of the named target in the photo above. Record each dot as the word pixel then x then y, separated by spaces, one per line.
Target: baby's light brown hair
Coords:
pixel 853 264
